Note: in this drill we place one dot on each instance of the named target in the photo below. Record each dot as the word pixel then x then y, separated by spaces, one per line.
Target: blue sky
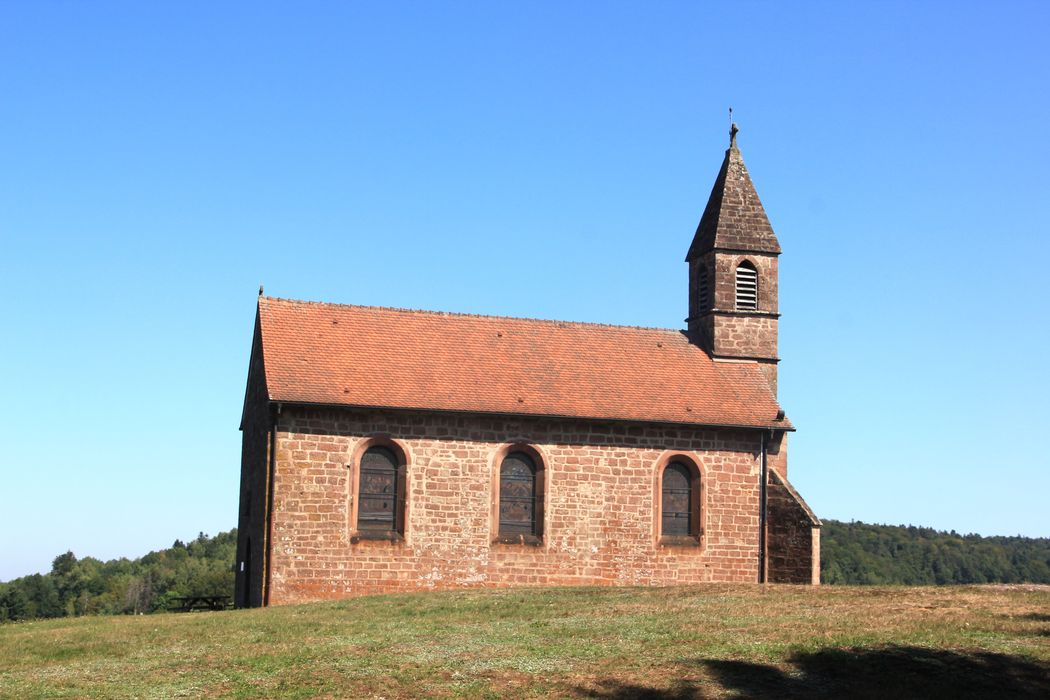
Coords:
pixel 161 160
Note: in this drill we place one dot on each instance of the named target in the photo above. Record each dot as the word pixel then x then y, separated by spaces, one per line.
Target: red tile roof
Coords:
pixel 380 357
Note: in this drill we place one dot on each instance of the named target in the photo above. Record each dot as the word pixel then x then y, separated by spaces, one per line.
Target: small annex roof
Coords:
pixel 336 354
pixel 734 218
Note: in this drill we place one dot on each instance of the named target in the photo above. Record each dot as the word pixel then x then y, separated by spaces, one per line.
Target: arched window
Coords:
pixel 520 509
pixel 680 503
pixel 381 492
pixel 746 286
pixel 703 290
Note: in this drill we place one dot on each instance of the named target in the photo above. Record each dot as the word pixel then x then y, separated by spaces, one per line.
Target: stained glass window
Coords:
pixel 677 505
pixel 517 495
pixel 379 491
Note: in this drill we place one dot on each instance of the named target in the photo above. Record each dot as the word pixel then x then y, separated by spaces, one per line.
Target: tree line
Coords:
pixel 859 553
pixel 148 584
pixel 851 553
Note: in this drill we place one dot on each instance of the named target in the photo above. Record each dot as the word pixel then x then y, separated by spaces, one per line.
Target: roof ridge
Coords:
pixel 462 314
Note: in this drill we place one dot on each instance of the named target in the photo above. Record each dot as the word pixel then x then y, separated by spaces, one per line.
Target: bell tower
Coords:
pixel 733 310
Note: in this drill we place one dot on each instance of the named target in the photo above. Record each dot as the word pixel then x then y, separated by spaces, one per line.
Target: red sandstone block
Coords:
pixel 606 518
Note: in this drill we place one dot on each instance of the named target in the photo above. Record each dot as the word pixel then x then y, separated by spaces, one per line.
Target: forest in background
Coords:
pixel 121 586
pixel 851 553
pixel 859 553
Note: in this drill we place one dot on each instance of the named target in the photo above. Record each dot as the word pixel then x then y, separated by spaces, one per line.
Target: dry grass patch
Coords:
pixel 684 642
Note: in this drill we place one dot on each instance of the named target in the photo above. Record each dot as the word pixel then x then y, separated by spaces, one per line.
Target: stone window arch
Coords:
pixel 378 505
pixel 679 501
pixel 746 286
pixel 519 489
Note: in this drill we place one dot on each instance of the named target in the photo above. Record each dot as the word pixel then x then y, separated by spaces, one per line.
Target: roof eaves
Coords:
pixel 774 425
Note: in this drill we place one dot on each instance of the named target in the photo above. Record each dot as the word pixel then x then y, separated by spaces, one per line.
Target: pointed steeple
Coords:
pixel 733 301
pixel 734 218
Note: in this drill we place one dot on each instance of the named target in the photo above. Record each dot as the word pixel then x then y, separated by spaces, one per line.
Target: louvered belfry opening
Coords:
pixel 704 291
pixel 746 286
pixel 518 496
pixel 381 491
pixel 676 509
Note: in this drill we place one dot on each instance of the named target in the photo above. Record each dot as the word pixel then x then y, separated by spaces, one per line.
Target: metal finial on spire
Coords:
pixel 260 290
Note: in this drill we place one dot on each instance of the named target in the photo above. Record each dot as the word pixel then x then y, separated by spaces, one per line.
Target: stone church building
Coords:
pixel 391 449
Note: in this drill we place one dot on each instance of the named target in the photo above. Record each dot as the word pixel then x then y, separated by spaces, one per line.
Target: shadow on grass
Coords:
pixel 615 690
pixel 1038 617
pixel 886 672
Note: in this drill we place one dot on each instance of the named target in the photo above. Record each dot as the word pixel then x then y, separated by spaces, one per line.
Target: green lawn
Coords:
pixel 697 641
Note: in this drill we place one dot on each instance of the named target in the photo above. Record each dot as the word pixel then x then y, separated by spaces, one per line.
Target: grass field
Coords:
pixel 689 642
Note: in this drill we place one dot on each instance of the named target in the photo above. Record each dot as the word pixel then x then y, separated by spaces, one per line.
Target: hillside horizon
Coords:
pixel 853 553
pixel 924 528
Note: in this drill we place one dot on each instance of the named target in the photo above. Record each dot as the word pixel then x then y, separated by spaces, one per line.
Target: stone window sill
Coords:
pixel 680 541
pixel 524 540
pixel 376 536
